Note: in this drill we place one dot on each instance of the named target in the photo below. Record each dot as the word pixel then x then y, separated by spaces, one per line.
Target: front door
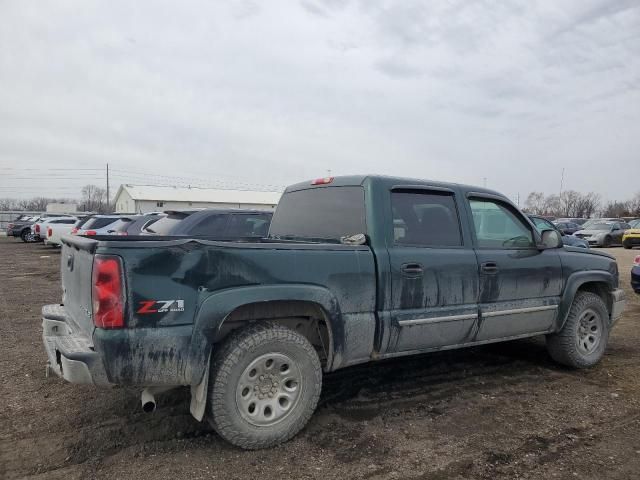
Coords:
pixel 434 272
pixel 520 285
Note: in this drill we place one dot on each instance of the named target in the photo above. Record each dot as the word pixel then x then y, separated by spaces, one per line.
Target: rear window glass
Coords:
pixel 99 222
pixel 326 213
pixel 211 225
pixel 166 224
pixel 248 225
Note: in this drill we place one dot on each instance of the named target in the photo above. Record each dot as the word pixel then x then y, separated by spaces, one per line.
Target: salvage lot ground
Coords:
pixel 503 411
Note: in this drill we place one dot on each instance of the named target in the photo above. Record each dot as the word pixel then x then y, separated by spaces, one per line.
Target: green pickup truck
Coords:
pixel 354 269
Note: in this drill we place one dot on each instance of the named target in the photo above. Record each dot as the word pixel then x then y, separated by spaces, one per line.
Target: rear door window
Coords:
pixel 248 225
pixel 213 225
pixel 425 219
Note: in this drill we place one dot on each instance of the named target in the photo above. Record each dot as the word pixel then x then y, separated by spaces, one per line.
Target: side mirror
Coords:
pixel 550 239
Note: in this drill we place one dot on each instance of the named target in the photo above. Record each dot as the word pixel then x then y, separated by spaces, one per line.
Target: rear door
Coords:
pixel 434 272
pixel 520 286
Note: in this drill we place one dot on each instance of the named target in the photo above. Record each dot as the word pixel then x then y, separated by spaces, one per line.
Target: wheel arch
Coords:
pixel 224 311
pixel 600 283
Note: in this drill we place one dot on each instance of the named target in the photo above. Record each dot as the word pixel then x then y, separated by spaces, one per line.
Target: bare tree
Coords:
pixel 535 203
pixel 93 199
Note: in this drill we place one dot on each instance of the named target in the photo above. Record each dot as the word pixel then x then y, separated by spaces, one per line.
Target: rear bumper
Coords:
pixel 70 353
pixel 617 304
pixel 635 279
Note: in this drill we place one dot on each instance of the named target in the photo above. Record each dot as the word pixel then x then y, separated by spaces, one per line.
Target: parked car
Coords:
pixel 22 229
pixel 635 275
pixel 106 225
pixel 567 228
pixel 593 221
pixel 223 224
pixel 39 227
pixel 603 233
pixel 57 228
pixel 354 269
pixel 631 237
pixel 139 225
pixel 544 224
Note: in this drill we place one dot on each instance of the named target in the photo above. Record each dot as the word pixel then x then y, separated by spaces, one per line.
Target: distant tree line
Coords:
pixel 574 204
pixel 92 199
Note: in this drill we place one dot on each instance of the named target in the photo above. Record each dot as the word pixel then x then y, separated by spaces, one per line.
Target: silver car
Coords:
pixel 107 225
pixel 603 233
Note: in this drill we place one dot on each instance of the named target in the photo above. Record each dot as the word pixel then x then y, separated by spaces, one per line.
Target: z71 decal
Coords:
pixel 160 306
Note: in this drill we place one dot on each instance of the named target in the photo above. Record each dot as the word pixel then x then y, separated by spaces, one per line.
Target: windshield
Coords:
pixel 599 226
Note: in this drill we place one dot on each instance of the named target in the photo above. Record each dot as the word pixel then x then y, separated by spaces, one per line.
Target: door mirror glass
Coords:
pixel 550 239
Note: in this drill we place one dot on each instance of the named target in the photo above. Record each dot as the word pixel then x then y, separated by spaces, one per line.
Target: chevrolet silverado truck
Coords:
pixel 354 269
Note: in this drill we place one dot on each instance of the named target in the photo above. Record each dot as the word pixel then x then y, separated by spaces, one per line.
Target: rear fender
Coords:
pixel 216 307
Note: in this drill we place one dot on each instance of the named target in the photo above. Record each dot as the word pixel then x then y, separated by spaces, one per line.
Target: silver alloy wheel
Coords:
pixel 589 331
pixel 269 389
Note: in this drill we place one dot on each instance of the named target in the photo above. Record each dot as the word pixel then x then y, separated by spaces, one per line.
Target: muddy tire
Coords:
pixel 264 385
pixel 583 339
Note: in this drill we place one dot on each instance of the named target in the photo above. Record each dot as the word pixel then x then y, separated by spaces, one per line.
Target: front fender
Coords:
pixel 574 282
pixel 213 310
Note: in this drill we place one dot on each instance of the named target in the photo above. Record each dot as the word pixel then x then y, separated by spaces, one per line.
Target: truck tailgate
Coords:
pixel 76 265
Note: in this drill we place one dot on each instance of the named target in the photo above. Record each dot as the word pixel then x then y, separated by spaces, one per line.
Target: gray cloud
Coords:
pixel 276 92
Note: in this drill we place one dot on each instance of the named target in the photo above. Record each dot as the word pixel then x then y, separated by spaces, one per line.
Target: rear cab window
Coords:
pixel 322 214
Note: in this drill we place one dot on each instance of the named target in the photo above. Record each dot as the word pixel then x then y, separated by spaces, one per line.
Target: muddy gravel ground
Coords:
pixel 501 411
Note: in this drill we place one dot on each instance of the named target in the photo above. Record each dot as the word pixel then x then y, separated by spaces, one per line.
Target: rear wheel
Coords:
pixel 27 236
pixel 264 385
pixel 583 339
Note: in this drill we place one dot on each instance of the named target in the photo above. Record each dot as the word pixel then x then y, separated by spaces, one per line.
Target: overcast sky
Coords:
pixel 271 93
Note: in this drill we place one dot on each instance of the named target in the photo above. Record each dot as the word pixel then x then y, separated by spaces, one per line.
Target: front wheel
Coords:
pixel 264 385
pixel 606 243
pixel 627 245
pixel 583 339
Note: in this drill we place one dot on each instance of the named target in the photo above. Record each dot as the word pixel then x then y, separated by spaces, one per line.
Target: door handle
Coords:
pixel 490 268
pixel 412 269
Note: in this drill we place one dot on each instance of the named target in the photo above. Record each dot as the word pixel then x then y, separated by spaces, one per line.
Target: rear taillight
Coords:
pixel 108 292
pixel 636 262
pixel 90 232
pixel 37 228
pixel 74 230
pixel 49 232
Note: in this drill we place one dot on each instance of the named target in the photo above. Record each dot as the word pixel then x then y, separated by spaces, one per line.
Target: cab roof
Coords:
pixel 386 182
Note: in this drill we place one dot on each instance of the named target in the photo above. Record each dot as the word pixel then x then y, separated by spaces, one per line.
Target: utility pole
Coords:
pixel 518 197
pixel 108 197
pixel 560 196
